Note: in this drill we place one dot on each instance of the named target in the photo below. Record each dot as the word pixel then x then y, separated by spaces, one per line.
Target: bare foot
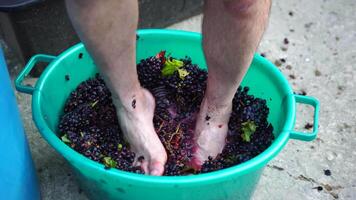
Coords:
pixel 135 120
pixel 210 131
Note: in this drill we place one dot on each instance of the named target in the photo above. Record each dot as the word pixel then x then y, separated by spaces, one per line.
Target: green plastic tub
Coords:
pixel 264 79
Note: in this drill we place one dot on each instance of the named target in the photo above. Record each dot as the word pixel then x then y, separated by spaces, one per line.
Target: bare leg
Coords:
pixel 107 29
pixel 232 30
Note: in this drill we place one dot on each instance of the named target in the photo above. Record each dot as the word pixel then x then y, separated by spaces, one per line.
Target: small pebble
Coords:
pixel 289 67
pixel 302 92
pixel 278 63
pixel 341 87
pixel 319 188
pixel 286 41
pixel 291 76
pixel 317 73
pixel 327 172
pixel 328 187
pixel 330 156
pixel 308 25
pixel 308 126
pixel 336 196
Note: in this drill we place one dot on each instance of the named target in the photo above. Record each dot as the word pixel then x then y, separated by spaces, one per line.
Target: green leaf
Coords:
pixel 109 162
pixel 65 139
pixel 82 134
pixel 168 70
pixel 248 128
pixel 182 73
pixel 170 66
pixel 119 147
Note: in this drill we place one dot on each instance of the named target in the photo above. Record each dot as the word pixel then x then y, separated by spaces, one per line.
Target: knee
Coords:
pixel 237 7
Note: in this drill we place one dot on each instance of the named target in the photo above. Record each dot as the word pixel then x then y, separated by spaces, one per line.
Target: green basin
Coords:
pixel 264 79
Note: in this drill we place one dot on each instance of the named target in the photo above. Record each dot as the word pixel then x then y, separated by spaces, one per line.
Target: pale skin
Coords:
pixel 232 30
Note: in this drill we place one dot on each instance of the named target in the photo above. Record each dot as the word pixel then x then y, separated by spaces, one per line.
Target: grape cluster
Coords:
pixel 90 125
pixel 150 76
pixel 89 91
pixel 191 89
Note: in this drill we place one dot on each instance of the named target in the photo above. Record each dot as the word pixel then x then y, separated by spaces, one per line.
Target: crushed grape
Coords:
pixel 90 126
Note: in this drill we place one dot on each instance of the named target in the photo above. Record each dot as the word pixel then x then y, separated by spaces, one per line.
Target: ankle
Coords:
pixel 213 103
pixel 130 101
pixel 215 110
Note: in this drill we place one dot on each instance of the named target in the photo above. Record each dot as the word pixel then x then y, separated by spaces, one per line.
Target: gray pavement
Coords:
pixel 320 60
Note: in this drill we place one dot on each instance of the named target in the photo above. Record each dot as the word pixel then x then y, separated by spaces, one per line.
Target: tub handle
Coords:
pixel 27 69
pixel 307 136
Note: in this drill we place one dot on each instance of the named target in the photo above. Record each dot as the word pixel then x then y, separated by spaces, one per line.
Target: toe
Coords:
pixel 196 163
pixel 140 161
pixel 144 167
pixel 156 168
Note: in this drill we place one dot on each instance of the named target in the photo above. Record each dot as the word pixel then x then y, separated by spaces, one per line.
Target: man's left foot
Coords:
pixel 210 131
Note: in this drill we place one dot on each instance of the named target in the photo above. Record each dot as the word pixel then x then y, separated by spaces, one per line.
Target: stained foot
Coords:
pixel 135 119
pixel 210 131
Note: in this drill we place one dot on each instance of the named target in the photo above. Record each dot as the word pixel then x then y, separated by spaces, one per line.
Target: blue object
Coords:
pixel 18 179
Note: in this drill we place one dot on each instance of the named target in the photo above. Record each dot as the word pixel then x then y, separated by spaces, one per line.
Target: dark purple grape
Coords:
pixel 90 126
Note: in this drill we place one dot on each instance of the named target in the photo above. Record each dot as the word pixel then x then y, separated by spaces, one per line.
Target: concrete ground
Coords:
pixel 319 60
